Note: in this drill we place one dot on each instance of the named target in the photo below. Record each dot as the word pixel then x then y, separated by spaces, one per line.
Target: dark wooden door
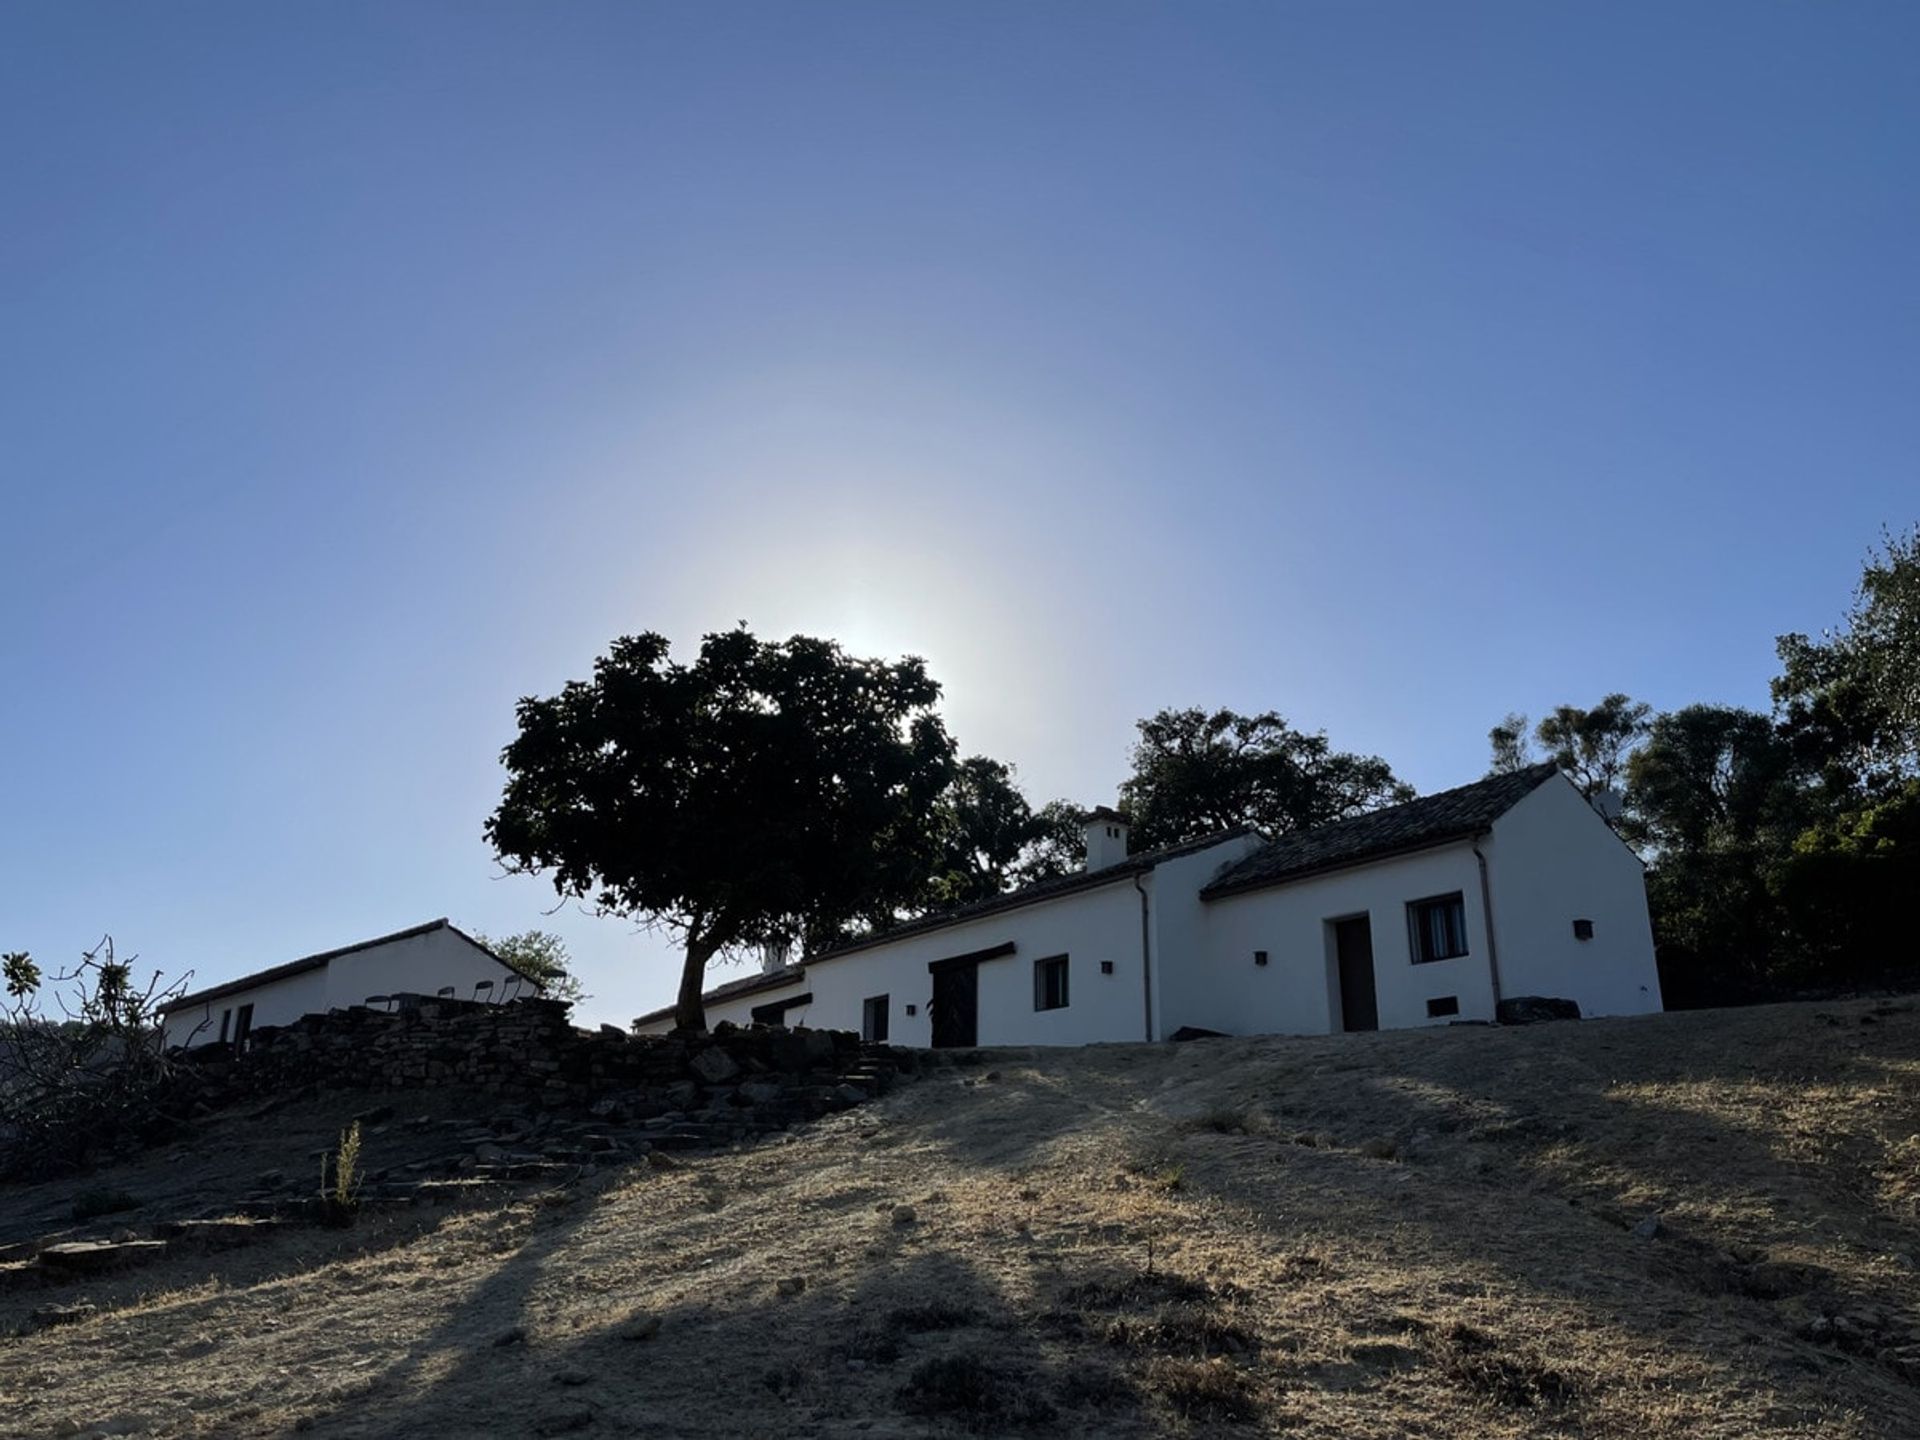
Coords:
pixel 956 1005
pixel 1353 942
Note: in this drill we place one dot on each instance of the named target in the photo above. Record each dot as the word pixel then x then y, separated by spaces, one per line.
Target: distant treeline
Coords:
pixel 1783 847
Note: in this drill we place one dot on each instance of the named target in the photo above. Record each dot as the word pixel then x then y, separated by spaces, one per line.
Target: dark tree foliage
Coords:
pixel 1783 850
pixel 1848 890
pixel 1056 844
pixel 542 955
pixel 1511 749
pixel 1593 746
pixel 1715 799
pixel 984 823
pixel 1196 772
pixel 1851 700
pixel 765 792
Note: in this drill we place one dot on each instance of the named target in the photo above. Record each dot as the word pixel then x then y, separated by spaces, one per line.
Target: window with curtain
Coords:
pixel 1439 928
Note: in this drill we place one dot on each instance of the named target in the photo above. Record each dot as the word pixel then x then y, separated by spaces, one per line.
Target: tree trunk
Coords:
pixel 688 1012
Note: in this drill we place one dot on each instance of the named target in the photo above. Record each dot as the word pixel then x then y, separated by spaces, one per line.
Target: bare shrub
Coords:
pixel 94 1075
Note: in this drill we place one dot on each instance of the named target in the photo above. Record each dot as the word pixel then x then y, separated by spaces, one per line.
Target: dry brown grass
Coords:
pixel 1121 1241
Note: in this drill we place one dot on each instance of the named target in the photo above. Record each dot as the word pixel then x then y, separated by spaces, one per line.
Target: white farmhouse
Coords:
pixel 1422 914
pixel 432 959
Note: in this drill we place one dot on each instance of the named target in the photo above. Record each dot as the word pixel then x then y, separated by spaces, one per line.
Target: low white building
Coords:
pixel 432 959
pixel 1421 914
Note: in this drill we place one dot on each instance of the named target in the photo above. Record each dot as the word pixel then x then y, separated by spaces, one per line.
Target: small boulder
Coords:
pixel 904 1215
pixel 714 1066
pixel 790 1284
pixel 1648 1229
pixel 1532 1009
pixel 639 1328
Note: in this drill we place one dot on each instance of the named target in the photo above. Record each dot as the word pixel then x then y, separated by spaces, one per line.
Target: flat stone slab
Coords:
pixel 91 1257
pixel 218 1233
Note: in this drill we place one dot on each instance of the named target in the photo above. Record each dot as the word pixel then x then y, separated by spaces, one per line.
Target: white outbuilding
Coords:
pixel 435 959
pixel 1426 913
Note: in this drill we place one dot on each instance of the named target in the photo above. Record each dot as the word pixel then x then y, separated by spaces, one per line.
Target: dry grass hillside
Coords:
pixel 1688 1225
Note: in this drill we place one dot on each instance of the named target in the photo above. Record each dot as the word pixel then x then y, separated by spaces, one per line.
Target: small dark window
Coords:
pixel 242 1026
pixel 1050 983
pixel 873 1019
pixel 1443 1005
pixel 1259 957
pixel 1583 929
pixel 913 1009
pixel 226 1024
pixel 774 1012
pixel 1106 967
pixel 1439 928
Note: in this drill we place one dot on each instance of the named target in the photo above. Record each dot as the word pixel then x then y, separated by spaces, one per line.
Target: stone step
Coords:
pixel 94 1257
pixel 218 1234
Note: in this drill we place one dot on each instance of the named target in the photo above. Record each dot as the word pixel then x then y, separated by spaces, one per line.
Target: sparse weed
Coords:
pixel 340 1178
pixel 1519 1379
pixel 1197 1331
pixel 1202 1389
pixel 979 1396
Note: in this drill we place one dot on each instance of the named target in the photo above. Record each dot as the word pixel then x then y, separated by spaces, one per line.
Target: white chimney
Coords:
pixel 1106 832
pixel 774 955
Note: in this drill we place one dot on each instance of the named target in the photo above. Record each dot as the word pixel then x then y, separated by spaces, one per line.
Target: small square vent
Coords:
pixel 1583 929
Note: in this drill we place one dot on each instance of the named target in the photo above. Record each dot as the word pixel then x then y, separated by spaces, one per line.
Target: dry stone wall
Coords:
pixel 730 1083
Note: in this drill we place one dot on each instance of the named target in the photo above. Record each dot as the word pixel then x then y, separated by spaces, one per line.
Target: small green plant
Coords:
pixel 340 1176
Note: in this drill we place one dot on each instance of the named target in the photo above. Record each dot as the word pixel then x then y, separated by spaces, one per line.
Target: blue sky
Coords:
pixel 364 367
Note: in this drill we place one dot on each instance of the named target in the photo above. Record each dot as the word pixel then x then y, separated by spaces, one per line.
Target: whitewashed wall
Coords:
pixel 1295 992
pixel 1088 926
pixel 1183 959
pixel 1550 860
pixel 279 1002
pixel 418 964
pixel 1553 860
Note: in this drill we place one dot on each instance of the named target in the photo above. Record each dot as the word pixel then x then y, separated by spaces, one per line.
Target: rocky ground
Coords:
pixel 1686 1225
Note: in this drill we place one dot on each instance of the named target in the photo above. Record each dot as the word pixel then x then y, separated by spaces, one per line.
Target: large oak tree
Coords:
pixel 765 792
pixel 1196 771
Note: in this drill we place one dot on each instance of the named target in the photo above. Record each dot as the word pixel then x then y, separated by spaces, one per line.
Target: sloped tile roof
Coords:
pixel 1429 820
